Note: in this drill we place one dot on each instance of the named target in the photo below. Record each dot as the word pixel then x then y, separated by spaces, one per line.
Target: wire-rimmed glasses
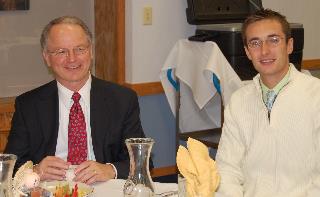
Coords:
pixel 272 41
pixel 63 52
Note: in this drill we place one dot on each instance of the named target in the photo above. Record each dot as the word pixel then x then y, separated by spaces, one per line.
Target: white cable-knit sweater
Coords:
pixel 280 157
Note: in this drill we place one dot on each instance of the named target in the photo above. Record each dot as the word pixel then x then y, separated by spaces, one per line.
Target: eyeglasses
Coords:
pixel 63 52
pixel 272 41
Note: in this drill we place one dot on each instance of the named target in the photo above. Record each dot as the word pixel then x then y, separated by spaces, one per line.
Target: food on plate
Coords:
pixel 67 189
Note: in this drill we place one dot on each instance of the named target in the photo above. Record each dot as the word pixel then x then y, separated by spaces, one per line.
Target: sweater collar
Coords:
pixel 293 73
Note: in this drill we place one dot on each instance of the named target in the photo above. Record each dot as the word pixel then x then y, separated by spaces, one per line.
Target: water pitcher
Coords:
pixel 139 182
pixel 7 162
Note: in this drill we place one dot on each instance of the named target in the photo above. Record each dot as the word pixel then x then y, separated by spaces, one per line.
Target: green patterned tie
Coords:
pixel 271 95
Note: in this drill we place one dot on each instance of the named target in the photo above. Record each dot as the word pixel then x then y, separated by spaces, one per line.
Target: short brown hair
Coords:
pixel 264 14
pixel 64 20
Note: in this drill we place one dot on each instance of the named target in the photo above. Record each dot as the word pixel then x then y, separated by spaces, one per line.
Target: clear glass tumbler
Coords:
pixel 7 162
pixel 181 186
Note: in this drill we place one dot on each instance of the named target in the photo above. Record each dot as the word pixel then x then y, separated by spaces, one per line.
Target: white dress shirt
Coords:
pixel 65 103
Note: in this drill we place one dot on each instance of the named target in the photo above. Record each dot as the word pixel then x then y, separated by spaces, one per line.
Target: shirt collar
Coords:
pixel 85 91
pixel 65 94
pixel 284 81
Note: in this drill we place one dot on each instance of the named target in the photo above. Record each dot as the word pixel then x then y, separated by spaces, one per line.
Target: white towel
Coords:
pixel 194 63
pixel 219 65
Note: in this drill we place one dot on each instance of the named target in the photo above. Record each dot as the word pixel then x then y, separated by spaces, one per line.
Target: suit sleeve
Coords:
pixel 18 142
pixel 131 128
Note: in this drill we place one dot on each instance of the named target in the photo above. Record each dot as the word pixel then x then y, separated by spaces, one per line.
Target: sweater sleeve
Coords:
pixel 229 158
pixel 314 189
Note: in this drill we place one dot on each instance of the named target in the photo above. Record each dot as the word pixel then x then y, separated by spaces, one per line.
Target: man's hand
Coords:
pixel 90 172
pixel 52 168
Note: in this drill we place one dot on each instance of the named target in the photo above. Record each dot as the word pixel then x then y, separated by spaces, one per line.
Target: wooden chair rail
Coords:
pixel 6 113
pixel 209 137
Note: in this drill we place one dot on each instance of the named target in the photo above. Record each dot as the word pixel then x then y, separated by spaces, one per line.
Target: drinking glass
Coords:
pixel 7 162
pixel 139 182
pixel 181 186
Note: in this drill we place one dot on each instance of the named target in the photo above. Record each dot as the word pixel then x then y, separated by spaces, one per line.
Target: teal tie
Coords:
pixel 271 95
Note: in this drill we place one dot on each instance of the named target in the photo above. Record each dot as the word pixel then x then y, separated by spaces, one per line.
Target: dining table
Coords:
pixel 114 188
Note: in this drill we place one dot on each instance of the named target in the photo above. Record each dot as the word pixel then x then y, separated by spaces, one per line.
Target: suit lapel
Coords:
pixel 99 116
pixel 48 110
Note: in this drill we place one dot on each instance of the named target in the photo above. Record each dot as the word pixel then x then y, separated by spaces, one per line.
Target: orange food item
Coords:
pixel 35 193
pixel 64 191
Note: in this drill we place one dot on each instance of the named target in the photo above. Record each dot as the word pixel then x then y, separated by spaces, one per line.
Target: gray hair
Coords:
pixel 64 20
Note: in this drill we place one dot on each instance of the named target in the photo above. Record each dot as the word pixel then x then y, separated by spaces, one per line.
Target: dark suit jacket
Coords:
pixel 114 117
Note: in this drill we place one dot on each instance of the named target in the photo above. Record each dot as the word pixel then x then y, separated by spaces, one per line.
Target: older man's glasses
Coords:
pixel 63 53
pixel 272 41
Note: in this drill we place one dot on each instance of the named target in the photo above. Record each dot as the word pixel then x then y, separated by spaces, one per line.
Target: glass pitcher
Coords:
pixel 139 182
pixel 7 162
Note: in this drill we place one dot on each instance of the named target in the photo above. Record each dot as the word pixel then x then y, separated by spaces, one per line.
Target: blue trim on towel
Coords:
pixel 174 83
pixel 216 83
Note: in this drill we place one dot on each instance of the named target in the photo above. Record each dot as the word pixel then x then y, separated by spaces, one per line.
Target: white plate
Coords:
pixel 83 189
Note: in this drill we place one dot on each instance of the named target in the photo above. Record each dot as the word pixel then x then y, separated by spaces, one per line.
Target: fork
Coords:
pixel 168 193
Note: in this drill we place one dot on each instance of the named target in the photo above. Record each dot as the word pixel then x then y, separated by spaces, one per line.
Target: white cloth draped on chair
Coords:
pixel 202 71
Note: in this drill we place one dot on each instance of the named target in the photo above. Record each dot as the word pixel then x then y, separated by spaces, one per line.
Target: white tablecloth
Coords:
pixel 114 188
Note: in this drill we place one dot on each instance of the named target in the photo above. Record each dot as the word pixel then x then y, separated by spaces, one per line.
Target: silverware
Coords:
pixel 166 194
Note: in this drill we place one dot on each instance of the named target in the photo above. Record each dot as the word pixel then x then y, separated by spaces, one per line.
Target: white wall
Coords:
pixel 21 63
pixel 305 12
pixel 147 46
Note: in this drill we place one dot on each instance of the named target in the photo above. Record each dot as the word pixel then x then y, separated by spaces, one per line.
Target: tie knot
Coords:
pixel 76 97
pixel 270 95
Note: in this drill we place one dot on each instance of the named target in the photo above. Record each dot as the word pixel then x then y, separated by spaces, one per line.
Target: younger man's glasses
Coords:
pixel 272 41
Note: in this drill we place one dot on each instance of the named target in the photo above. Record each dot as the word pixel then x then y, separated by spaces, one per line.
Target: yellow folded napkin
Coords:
pixel 195 164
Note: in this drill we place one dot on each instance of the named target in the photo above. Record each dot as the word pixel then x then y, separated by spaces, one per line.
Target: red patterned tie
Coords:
pixel 77 135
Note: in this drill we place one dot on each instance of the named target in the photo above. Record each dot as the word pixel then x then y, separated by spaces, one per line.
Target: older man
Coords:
pixel 75 119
